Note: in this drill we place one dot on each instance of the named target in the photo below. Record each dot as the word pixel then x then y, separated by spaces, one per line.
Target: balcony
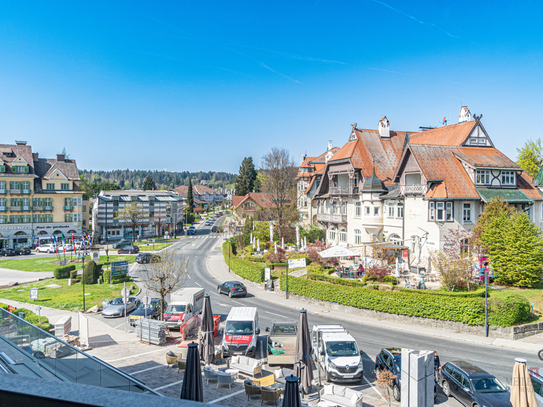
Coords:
pixel 414 189
pixel 3 208
pixel 26 191
pixel 331 217
pixel 68 208
pixel 343 191
pixel 15 191
pixel 3 191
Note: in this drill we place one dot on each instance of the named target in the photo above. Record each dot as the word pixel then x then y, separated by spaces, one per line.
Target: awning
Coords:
pixel 508 195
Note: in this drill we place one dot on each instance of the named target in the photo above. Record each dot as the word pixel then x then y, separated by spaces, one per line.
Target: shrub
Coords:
pixel 242 267
pixel 106 275
pixel 91 272
pixel 300 256
pixel 390 279
pixel 33 319
pixel 318 269
pixel 63 272
pixel 335 280
pixel 422 304
pixel 377 273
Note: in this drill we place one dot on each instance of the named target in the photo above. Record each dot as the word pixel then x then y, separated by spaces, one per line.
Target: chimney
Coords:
pixel 384 130
pixel 60 157
pixel 465 115
pixel 34 156
pixel 329 145
pixel 20 142
pixel 301 159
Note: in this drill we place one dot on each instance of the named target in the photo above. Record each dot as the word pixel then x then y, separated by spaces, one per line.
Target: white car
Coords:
pixel 45 248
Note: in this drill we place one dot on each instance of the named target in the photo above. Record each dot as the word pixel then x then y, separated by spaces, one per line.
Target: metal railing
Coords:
pixel 343 190
pixel 331 217
pixel 68 208
pixel 63 360
pixel 15 191
pixel 414 189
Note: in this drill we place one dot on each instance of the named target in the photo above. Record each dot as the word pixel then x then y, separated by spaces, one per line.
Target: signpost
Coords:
pixel 267 273
pixel 146 302
pixel 33 293
pixel 118 268
pixel 39 314
pixel 125 292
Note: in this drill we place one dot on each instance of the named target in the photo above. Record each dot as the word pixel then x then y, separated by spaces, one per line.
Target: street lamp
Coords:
pixel 82 256
pixel 486 274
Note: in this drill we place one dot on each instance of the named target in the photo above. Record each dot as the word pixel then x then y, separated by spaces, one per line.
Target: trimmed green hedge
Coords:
pixel 507 312
pixel 244 268
pixel 31 318
pixel 335 280
pixel 63 272
pixel 480 292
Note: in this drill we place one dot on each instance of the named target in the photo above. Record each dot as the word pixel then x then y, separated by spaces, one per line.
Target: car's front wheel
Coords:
pixel 219 290
pixel 230 294
pixel 396 392
pixel 377 370
pixel 446 388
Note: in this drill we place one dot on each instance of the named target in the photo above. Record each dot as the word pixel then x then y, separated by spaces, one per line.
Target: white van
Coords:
pixel 183 305
pixel 241 332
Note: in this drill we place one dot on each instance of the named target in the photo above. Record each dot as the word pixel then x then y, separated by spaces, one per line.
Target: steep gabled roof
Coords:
pixel 452 135
pixel 261 199
pixel 46 167
pixel 485 158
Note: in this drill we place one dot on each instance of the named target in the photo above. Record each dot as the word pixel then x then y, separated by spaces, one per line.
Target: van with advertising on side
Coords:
pixel 183 305
pixel 241 332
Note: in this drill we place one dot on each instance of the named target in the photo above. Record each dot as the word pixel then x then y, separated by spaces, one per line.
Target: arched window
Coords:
pixel 334 207
pixel 357 236
pixel 342 235
pixel 394 238
pixel 332 234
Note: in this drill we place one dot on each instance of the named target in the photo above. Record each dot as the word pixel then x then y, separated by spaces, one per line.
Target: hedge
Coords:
pixel 507 312
pixel 63 272
pixel 335 280
pixel 31 318
pixel 91 272
pixel 244 268
pixel 461 294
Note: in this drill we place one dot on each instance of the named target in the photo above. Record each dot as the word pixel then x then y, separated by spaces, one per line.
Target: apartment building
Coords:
pixel 39 197
pixel 411 188
pixel 202 194
pixel 162 213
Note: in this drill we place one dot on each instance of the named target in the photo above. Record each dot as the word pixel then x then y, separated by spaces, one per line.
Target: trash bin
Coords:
pixel 99 281
pixel 21 315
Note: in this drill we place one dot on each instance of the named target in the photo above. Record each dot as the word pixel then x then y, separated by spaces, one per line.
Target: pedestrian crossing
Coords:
pixel 205 237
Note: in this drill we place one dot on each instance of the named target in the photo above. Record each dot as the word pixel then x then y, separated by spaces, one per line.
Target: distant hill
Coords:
pixel 130 179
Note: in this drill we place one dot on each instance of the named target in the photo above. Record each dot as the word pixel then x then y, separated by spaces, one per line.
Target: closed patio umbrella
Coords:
pixel 302 355
pixel 522 391
pixel 291 395
pixel 192 388
pixel 206 339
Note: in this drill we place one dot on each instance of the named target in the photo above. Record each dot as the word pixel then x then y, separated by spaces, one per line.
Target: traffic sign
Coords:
pixel 119 268
pixel 33 293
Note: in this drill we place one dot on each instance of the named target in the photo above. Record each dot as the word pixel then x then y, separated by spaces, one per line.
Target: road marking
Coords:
pixel 226 397
pixel 133 356
pixel 198 284
pixel 123 324
pixel 237 302
pixel 277 315
pixel 171 384
pixel 372 386
pixel 151 368
pixel 188 275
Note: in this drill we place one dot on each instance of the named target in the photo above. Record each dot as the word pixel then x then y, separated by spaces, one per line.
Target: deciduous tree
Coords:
pixel 166 274
pixel 530 157
pixel 132 216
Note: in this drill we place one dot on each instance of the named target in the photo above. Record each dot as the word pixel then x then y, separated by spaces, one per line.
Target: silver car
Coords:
pixel 115 308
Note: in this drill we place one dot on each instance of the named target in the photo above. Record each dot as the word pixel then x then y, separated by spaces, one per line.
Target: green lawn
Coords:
pixel 531 294
pixel 66 297
pixel 156 246
pixel 50 263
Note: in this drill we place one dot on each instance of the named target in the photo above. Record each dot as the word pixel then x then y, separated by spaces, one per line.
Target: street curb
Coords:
pixel 528 348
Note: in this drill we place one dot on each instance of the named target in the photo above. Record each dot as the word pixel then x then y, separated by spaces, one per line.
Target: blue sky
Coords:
pixel 200 85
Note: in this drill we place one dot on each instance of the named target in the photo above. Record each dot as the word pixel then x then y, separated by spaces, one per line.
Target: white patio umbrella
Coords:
pixel 338 251
pixel 258 245
pixel 297 235
pixel 283 243
pixel 275 247
pixel 271 232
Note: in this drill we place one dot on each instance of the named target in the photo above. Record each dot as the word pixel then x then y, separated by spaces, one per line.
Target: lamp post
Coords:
pixel 486 274
pixel 82 256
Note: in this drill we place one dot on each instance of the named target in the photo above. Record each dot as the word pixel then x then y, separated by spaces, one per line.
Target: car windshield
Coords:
pixel 487 385
pixel 284 330
pixel 151 307
pixel 117 301
pixel 342 348
pixel 239 327
pixel 175 309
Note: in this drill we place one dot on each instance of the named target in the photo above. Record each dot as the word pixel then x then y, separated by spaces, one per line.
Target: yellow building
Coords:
pixel 39 197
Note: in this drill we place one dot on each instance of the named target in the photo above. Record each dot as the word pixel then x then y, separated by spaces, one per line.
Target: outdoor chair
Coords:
pixel 171 358
pixel 225 379
pixel 181 364
pixel 209 375
pixel 251 389
pixel 269 394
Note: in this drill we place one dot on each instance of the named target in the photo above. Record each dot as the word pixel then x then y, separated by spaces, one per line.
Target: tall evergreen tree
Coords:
pixel 148 184
pixel 246 178
pixel 190 198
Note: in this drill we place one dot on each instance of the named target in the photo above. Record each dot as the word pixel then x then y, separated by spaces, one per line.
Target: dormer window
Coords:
pixel 508 178
pixel 20 169
pixel 482 177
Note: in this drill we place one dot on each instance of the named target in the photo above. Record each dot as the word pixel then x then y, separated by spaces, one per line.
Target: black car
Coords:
pixel 122 243
pixel 129 250
pixel 22 250
pixel 7 252
pixel 233 289
pixel 144 258
pixel 473 386
pixel 153 311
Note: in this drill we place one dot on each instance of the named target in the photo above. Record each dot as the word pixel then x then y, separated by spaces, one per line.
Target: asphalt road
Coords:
pixel 371 339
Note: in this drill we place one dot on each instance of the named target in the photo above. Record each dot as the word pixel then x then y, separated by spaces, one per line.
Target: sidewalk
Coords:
pixel 8 276
pixel 217 267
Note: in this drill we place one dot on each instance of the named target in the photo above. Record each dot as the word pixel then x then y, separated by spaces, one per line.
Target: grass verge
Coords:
pixel 66 297
pixel 50 263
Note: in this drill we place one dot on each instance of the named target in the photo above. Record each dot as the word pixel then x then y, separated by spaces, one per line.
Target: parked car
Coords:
pixel 115 308
pixel 232 289
pixel 46 248
pixel 7 252
pixel 153 311
pixel 121 243
pixel 144 258
pixel 22 250
pixel 473 386
pixel 216 229
pixel 217 216
pixel 390 359
pixel 536 375
pixel 191 230
pixel 128 250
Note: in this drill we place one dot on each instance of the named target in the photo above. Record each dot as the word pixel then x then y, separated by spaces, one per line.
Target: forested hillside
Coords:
pixel 128 179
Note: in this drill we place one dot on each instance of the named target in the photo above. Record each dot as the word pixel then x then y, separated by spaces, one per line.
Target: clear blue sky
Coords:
pixel 199 85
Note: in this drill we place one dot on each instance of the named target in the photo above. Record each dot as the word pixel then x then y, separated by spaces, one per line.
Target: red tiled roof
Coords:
pixel 439 191
pixel 452 135
pixel 261 199
pixel 236 200
pixel 181 190
pixel 485 158
pixel 525 184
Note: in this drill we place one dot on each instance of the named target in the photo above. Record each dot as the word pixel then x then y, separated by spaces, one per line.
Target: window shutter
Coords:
pixel 26 169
